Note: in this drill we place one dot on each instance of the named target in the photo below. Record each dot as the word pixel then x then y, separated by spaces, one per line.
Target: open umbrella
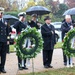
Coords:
pixel 39 10
pixel 69 12
pixel 10 18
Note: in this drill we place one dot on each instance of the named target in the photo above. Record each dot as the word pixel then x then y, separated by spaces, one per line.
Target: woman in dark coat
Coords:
pixel 48 35
pixel 34 22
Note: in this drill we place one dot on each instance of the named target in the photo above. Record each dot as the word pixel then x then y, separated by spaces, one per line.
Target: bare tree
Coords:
pixel 54 5
pixel 70 3
pixel 4 3
pixel 14 6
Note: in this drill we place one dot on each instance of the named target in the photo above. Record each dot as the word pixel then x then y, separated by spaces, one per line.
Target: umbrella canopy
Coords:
pixel 69 12
pixel 39 10
pixel 10 18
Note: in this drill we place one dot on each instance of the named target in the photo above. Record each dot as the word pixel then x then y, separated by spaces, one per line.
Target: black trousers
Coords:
pixel 65 59
pixel 47 57
pixel 7 48
pixel 3 51
pixel 20 62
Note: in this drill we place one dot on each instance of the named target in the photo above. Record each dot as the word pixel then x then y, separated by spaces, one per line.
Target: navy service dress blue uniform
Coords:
pixel 3 44
pixel 19 26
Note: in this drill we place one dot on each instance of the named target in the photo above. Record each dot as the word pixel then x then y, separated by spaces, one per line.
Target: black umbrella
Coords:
pixel 39 10
pixel 10 18
pixel 69 12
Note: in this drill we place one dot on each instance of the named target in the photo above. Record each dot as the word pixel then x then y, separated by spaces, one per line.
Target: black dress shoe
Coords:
pixel 3 71
pixel 65 63
pixel 20 68
pixel 25 68
pixel 45 66
pixel 50 66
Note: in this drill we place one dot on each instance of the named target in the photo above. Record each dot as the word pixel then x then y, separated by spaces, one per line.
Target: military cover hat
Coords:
pixel 1 9
pixel 22 14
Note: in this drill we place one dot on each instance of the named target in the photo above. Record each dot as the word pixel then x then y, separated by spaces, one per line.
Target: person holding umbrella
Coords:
pixel 19 26
pixel 34 22
pixel 65 27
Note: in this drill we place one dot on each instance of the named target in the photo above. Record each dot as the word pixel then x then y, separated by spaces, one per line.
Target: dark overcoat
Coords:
pixel 48 37
pixel 64 28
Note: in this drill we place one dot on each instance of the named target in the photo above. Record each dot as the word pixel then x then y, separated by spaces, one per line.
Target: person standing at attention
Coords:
pixel 48 35
pixel 4 40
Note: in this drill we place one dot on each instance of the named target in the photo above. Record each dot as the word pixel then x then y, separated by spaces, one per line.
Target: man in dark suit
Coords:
pixel 4 40
pixel 48 35
pixel 34 22
pixel 19 26
pixel 65 27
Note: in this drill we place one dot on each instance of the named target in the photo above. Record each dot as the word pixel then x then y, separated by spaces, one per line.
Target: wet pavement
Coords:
pixel 36 64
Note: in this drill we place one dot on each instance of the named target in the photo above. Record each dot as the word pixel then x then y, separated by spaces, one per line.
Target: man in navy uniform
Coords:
pixel 3 40
pixel 19 26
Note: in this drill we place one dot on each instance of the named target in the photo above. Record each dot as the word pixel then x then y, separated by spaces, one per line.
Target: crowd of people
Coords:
pixel 48 35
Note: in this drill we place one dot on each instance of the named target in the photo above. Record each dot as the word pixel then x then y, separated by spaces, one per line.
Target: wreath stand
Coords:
pixel 22 46
pixel 28 44
pixel 33 66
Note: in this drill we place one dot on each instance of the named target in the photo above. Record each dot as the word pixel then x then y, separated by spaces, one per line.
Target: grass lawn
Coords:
pixel 11 48
pixel 63 71
pixel 58 45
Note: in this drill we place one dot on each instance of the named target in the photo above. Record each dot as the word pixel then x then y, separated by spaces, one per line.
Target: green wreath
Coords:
pixel 68 50
pixel 36 43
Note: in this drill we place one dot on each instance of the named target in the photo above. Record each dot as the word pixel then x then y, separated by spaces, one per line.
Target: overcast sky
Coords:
pixel 61 1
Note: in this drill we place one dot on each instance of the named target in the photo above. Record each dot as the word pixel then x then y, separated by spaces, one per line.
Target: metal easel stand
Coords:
pixel 33 66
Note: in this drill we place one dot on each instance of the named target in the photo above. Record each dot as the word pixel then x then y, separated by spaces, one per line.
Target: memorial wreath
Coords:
pixel 69 50
pixel 36 43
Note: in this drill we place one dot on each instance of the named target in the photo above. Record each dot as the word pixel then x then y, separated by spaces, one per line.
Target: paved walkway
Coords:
pixel 12 69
